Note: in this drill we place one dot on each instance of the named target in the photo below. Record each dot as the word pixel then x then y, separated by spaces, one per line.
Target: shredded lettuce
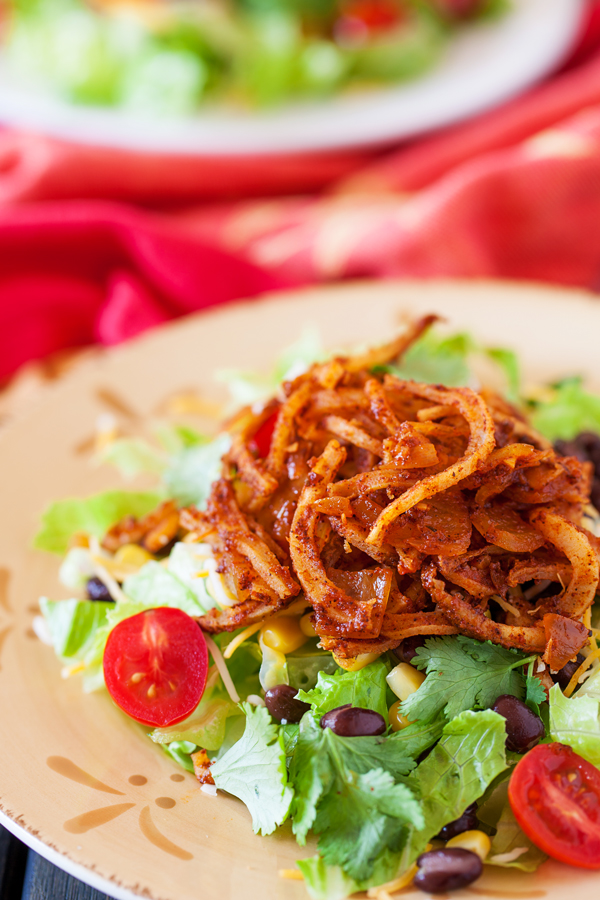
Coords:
pixel 153 585
pixel 190 473
pixel 576 721
pixel 366 688
pixel 133 456
pixel 511 848
pixel 185 563
pixel 93 515
pixel 569 410
pixel 246 388
pixel 204 728
pixel 468 757
pixel 73 624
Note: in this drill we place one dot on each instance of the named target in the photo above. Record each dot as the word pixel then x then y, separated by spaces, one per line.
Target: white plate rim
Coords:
pixel 473 76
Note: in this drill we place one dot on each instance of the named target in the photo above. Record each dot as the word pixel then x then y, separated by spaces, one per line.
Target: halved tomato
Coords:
pixel 262 438
pixel 555 796
pixel 155 666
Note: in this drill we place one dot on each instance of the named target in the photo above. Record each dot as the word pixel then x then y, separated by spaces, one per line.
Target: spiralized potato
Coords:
pixel 398 509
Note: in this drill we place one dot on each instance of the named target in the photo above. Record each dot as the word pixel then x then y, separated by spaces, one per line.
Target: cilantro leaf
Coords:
pixel 469 755
pixel 364 816
pixel 254 770
pixel 366 688
pixel 463 674
pixel 325 761
pixel 535 693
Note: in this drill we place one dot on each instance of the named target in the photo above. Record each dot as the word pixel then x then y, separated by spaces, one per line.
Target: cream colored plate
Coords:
pixel 78 781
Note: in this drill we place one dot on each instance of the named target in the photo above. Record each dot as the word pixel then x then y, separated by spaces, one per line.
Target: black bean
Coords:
pixel 407 650
pixel 353 721
pixel 282 704
pixel 97 590
pixel 467 822
pixel 447 870
pixel 523 728
pixel 564 675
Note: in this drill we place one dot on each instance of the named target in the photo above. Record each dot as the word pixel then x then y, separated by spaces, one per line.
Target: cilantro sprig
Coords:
pixel 463 674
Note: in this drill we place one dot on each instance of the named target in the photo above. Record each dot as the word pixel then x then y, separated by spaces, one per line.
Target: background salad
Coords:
pixel 170 57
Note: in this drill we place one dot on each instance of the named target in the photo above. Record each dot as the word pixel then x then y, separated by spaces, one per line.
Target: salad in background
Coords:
pixel 377 801
pixel 168 57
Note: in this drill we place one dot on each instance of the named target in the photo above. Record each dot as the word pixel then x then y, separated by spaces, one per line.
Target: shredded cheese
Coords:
pixel 506 606
pixel 587 621
pixel 585 665
pixel 222 667
pixel 291 874
pixel 106 578
pixel 240 638
pixel 502 858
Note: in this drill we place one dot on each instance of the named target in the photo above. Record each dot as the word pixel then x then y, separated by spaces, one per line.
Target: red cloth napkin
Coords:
pixel 513 193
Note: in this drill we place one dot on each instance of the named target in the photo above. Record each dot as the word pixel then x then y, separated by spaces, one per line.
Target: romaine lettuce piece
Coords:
pixel 569 411
pixel 576 721
pixel 93 515
pixel 73 625
pixel 366 688
pixel 189 476
pixel 469 755
pixel 154 586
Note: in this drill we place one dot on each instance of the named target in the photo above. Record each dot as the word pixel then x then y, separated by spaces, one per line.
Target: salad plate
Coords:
pixel 483 65
pixel 81 785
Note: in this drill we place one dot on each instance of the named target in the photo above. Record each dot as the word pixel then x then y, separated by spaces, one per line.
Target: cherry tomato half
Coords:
pixel 262 438
pixel 555 796
pixel 155 666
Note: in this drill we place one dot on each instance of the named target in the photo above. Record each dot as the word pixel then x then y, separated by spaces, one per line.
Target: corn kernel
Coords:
pixel 355 663
pixel 404 680
pixel 307 626
pixel 283 634
pixel 476 841
pixel 397 720
pixel 132 555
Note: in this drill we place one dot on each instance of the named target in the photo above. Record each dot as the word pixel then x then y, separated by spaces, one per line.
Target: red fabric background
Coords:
pixel 98 245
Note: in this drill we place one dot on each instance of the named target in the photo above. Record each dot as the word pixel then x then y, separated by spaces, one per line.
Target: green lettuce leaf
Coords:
pixel 469 755
pixel 366 688
pixel 73 625
pixel 511 848
pixel 133 456
pixel 463 674
pixel 154 586
pixel 204 728
pixel 438 359
pixel 325 882
pixel 576 721
pixel 94 515
pixel 254 770
pixel 246 388
pixel 190 473
pixel 570 410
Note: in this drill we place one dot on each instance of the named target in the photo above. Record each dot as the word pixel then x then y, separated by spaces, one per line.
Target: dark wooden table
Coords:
pixel 26 876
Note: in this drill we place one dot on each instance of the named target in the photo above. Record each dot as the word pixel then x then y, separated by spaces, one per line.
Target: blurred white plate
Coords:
pixel 484 65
